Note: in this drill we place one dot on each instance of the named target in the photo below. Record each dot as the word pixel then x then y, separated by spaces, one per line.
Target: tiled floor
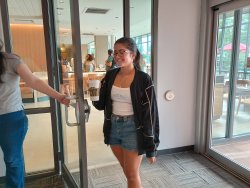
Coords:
pixel 48 182
pixel 180 170
pixel 184 170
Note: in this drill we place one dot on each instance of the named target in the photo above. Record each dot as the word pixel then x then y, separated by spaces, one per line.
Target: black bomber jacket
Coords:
pixel 144 106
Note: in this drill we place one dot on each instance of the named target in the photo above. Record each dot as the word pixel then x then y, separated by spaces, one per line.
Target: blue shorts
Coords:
pixel 123 132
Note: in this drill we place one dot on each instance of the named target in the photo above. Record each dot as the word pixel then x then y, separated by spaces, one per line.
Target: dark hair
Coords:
pixel 90 57
pixel 131 46
pixel 110 51
pixel 2 67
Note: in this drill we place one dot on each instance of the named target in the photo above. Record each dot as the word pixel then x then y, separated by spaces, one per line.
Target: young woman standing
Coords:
pixel 131 125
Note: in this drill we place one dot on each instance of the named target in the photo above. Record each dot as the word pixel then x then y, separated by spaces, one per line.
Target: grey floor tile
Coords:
pixel 189 180
pixel 181 170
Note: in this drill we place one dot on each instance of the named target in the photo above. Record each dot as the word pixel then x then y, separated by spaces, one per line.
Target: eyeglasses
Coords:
pixel 120 52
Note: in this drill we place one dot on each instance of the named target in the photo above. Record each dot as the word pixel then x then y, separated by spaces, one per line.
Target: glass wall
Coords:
pixel 101 24
pixel 144 46
pixel 27 34
pixel 231 100
pixel 38 147
pixel 70 145
pixel 140 30
pixel 91 48
pixel 232 75
pixel 223 67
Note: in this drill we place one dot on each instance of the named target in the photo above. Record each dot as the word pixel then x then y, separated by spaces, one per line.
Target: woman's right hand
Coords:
pixel 63 100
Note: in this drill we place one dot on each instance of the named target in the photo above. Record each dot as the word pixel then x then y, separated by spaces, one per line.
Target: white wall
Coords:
pixel 101 49
pixel 178 40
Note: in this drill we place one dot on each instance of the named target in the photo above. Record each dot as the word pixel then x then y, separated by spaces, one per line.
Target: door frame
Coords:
pixel 52 50
pixel 54 107
pixel 77 55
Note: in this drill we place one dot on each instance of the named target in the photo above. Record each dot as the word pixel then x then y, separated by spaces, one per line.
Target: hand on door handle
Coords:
pixel 87 109
pixel 67 112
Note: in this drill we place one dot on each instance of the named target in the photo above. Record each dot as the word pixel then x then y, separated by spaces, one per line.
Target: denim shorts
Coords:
pixel 123 132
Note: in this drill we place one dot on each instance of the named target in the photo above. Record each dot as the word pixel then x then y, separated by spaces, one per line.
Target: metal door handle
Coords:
pixel 67 114
pixel 86 111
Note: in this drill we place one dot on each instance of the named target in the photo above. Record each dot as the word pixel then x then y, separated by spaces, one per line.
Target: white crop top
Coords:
pixel 122 104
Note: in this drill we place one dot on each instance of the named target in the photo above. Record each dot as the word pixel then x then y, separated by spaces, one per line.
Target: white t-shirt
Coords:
pixel 10 95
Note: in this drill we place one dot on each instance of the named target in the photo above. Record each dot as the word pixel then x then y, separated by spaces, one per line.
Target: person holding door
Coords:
pixel 13 121
pixel 131 124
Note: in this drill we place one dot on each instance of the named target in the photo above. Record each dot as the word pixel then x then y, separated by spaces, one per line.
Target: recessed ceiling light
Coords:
pixel 59 13
pixel 61 1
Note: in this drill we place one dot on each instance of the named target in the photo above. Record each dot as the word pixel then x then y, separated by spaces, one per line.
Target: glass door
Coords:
pixel 73 133
pixel 101 25
pixel 230 117
pixel 24 35
pixel 32 34
pixel 140 31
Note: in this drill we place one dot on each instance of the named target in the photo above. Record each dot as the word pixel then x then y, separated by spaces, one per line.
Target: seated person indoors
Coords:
pixel 89 64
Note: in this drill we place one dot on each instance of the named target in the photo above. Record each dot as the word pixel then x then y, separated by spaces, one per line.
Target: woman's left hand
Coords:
pixel 151 160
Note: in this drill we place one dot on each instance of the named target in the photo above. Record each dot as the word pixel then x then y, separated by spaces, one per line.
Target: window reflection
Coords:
pixel 231 104
pixel 38 147
pixel 28 42
pixel 140 30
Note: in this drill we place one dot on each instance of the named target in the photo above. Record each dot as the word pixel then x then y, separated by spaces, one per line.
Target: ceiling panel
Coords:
pixel 111 23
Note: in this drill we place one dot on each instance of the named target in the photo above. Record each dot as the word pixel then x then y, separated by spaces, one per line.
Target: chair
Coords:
pixel 218 101
pixel 218 97
pixel 244 95
pixel 243 83
pixel 243 100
